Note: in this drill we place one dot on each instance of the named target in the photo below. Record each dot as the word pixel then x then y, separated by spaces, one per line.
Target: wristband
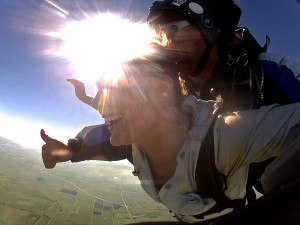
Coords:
pixel 75 144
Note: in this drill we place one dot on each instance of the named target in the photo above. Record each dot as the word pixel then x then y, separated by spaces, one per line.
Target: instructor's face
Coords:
pixel 188 45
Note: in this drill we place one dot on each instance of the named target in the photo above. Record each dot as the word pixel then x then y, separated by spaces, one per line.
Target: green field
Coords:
pixel 72 193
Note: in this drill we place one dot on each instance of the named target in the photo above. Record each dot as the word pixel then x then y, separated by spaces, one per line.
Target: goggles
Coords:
pixel 174 28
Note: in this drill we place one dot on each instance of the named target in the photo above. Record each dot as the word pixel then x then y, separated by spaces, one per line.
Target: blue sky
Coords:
pixel 33 90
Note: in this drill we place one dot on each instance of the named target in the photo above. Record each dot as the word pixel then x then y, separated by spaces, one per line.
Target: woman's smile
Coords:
pixel 113 120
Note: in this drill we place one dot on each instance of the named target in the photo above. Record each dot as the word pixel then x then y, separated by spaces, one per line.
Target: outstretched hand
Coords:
pixel 76 83
pixel 54 151
pixel 80 91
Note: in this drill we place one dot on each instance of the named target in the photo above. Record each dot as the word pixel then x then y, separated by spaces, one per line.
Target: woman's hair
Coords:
pixel 159 63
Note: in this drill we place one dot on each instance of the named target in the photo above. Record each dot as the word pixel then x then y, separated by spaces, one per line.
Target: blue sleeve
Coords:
pixel 96 142
pixel 285 73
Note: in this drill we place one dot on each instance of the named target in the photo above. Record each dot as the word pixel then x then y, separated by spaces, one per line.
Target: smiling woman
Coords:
pixel 33 87
pixel 145 91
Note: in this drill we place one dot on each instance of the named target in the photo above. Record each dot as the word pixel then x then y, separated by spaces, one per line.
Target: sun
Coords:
pixel 96 46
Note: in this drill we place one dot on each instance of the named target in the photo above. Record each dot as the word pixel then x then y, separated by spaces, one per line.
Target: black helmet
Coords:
pixel 214 17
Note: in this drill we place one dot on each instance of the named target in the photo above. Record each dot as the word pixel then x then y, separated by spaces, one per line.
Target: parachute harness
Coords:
pixel 244 70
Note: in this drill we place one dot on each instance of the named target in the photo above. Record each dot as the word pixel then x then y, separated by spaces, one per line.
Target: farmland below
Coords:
pixel 72 193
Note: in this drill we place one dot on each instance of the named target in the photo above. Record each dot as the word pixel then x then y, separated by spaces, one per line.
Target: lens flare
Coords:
pixel 96 47
pixel 56 6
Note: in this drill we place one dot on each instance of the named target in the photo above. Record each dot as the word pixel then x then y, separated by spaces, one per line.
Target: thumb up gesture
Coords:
pixel 54 151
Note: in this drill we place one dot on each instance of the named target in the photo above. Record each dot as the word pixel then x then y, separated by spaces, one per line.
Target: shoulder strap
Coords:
pixel 129 153
pixel 210 182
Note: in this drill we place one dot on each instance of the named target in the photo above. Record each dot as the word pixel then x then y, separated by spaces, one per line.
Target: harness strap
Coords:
pixel 129 153
pixel 210 182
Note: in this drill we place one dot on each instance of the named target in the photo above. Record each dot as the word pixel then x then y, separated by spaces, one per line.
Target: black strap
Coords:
pixel 129 154
pixel 210 182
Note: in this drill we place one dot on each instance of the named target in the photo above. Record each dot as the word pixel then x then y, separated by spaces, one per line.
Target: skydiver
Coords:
pixel 169 128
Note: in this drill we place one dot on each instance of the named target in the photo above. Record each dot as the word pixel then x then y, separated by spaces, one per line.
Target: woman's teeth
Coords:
pixel 111 119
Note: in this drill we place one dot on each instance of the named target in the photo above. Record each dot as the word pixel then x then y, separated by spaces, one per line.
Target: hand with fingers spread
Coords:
pixel 54 151
pixel 82 96
pixel 80 91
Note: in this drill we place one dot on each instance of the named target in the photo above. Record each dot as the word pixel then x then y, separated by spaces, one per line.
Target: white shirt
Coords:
pixel 240 138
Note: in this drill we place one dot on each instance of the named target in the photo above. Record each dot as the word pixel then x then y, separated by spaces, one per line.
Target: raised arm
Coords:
pixel 80 91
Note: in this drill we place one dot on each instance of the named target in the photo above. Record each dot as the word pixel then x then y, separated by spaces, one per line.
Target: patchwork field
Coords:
pixel 72 193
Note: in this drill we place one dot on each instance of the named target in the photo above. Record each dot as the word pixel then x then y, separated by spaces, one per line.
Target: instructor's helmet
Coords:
pixel 215 18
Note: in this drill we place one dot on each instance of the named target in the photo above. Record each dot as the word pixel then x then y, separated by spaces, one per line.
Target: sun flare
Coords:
pixel 96 46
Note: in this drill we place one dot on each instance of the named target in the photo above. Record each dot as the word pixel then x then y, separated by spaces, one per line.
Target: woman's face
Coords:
pixel 130 108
